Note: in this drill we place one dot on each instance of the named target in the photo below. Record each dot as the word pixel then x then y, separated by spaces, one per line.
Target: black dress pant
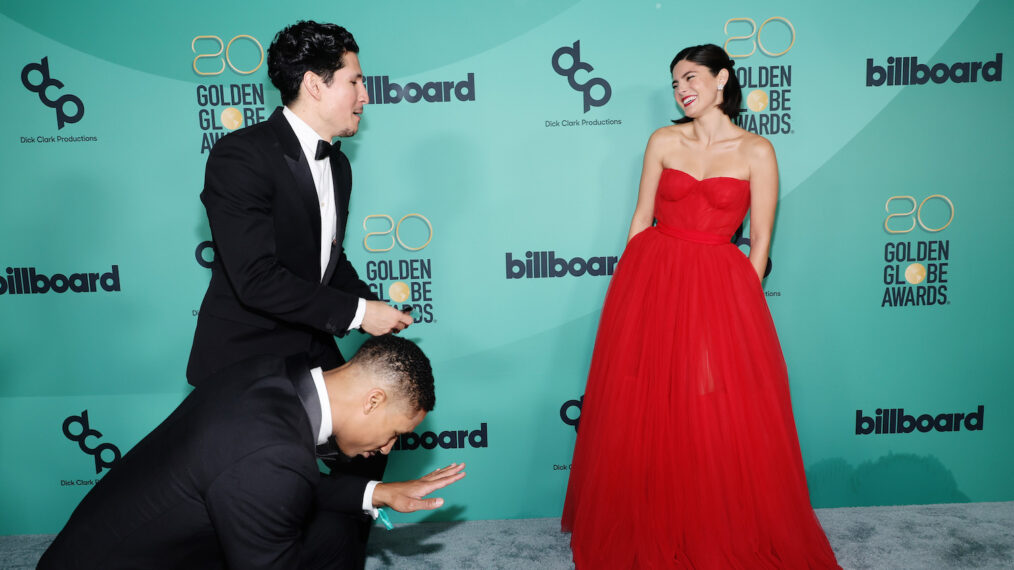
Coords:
pixel 321 547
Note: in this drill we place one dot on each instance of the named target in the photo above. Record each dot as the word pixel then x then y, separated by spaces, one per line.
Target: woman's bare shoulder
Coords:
pixel 756 147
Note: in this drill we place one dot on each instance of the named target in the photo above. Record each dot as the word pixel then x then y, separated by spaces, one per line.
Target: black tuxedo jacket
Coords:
pixel 266 295
pixel 229 479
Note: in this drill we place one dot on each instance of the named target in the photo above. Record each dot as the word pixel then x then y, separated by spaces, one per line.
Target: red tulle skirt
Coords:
pixel 687 454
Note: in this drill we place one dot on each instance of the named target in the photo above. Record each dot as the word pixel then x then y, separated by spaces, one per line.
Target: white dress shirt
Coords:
pixel 323 182
pixel 327 426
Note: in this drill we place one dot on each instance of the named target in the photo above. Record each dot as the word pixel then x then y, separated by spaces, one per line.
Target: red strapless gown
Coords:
pixel 687 454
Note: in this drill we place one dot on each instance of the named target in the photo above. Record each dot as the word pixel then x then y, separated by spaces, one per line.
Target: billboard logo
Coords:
pixel 450 439
pixel 25 281
pixel 45 82
pixel 383 91
pixel 82 437
pixel 541 264
pixel 895 420
pixel 908 71
pixel 574 52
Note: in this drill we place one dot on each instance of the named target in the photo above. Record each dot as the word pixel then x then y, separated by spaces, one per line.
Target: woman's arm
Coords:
pixel 763 202
pixel 651 172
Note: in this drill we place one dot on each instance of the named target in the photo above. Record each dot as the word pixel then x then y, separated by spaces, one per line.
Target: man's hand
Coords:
pixel 407 496
pixel 381 318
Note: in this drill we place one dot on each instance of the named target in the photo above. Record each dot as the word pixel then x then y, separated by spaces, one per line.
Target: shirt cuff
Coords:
pixel 368 498
pixel 357 321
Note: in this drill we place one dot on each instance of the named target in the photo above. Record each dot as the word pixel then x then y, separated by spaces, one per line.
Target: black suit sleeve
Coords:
pixel 345 278
pixel 259 507
pixel 239 195
pixel 341 493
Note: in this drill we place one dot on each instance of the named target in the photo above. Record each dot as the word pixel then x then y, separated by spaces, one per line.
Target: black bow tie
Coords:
pixel 329 450
pixel 326 149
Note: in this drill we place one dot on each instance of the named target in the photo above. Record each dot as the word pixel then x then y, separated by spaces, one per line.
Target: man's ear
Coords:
pixel 374 400
pixel 311 84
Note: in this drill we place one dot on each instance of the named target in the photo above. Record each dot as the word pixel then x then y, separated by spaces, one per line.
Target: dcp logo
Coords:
pixel 86 432
pixel 204 249
pixel 565 412
pixel 574 51
pixel 45 82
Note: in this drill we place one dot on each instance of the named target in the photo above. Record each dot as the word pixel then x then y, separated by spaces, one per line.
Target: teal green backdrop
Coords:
pixel 888 286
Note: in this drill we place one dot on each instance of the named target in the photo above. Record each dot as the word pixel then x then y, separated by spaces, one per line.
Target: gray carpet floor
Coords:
pixel 963 535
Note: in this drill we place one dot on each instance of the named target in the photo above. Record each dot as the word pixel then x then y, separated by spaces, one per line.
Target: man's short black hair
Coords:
pixel 307 46
pixel 403 365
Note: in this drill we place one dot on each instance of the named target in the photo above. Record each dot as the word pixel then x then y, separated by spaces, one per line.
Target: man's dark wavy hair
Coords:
pixel 715 59
pixel 307 46
pixel 402 364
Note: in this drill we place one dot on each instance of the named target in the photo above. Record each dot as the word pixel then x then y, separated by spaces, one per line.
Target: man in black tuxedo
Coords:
pixel 277 198
pixel 230 478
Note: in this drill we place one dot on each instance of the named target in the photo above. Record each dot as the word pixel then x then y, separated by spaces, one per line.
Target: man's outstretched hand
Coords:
pixel 407 496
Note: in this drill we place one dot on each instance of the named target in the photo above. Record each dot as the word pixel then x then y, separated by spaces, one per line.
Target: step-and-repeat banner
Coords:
pixel 496 170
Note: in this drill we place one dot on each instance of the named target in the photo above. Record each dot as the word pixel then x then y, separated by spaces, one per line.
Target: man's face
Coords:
pixel 376 430
pixel 341 102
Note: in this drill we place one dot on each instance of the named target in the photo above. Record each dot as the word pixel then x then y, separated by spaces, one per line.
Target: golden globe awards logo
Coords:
pixel 916 272
pixel 225 107
pixel 406 281
pixel 767 84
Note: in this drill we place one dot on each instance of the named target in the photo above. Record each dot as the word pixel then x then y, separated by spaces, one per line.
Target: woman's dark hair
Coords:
pixel 306 46
pixel 715 59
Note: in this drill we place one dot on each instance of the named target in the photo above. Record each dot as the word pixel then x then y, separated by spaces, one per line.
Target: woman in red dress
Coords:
pixel 687 454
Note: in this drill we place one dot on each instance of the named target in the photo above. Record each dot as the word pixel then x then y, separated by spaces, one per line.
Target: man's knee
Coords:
pixel 334 540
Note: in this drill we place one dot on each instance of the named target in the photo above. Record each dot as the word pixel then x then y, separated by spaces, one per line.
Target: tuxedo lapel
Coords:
pixel 332 261
pixel 297 369
pixel 341 176
pixel 303 189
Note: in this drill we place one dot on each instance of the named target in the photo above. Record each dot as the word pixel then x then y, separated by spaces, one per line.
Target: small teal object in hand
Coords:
pixel 385 519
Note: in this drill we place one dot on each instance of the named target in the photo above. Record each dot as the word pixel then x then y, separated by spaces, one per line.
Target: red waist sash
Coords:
pixel 693 235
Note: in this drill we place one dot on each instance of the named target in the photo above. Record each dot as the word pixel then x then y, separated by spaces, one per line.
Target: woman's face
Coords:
pixel 695 88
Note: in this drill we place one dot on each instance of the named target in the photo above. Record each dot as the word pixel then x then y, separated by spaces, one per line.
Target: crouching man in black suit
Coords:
pixel 230 478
